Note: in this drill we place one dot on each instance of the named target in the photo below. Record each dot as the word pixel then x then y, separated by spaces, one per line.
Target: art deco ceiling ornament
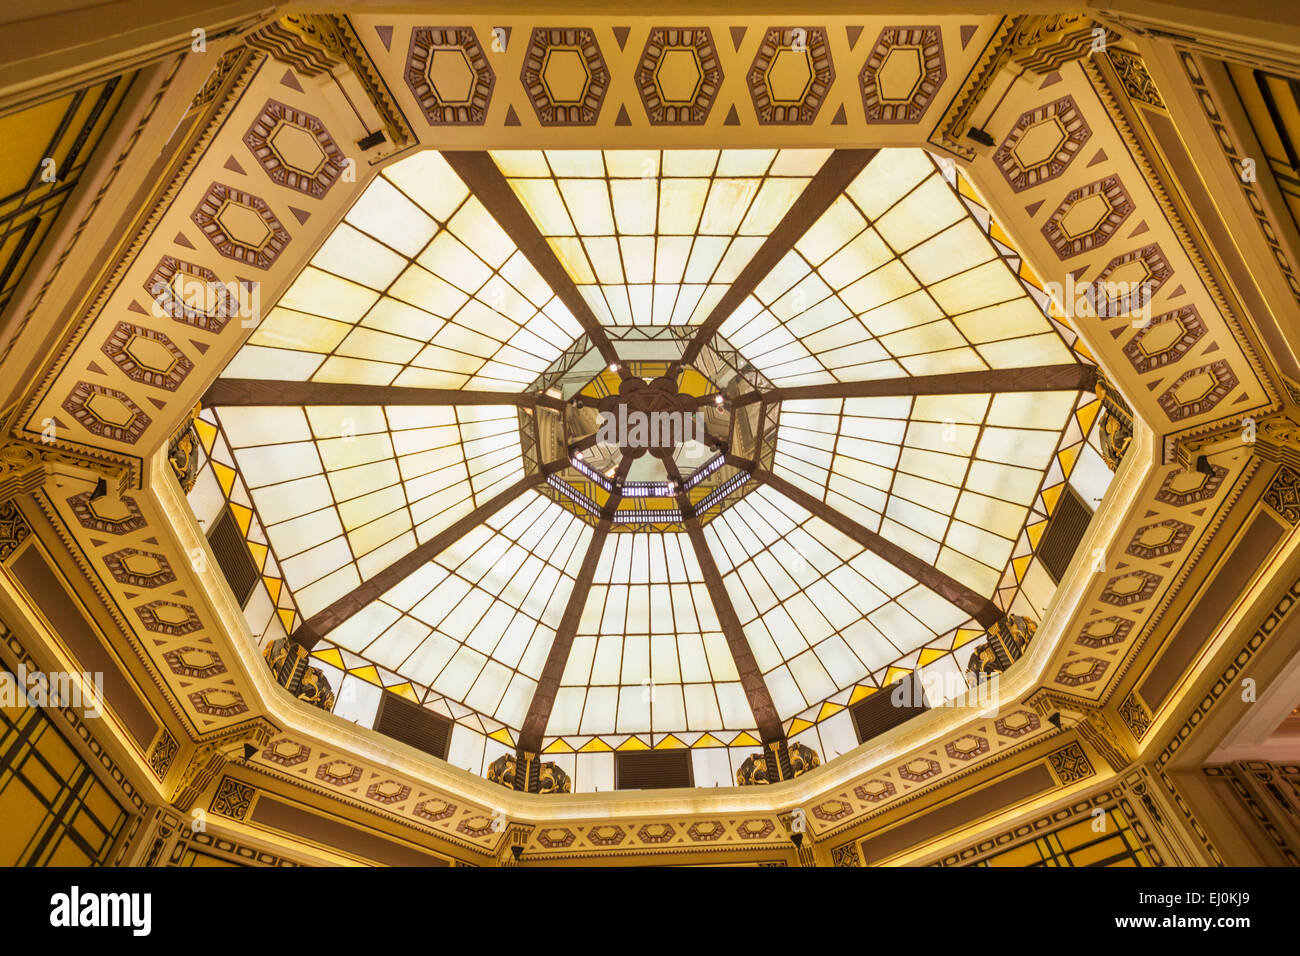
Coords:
pixel 592 451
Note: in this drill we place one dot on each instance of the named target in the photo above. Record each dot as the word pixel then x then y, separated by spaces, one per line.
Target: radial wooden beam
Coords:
pixel 253 391
pixel 751 677
pixel 978 607
pixel 490 187
pixel 839 170
pixel 1038 378
pixel 548 685
pixel 324 621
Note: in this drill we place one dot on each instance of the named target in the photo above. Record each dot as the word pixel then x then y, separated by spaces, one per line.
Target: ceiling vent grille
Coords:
pixel 888 707
pixel 228 547
pixel 653 770
pixel 1065 531
pixel 412 724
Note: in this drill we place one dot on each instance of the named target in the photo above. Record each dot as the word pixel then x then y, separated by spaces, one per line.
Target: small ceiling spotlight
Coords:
pixel 578 454
pixel 613 366
pixel 718 399
pixel 672 487
pixel 609 472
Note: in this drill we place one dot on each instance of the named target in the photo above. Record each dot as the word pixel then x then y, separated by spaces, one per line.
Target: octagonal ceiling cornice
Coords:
pixel 296 219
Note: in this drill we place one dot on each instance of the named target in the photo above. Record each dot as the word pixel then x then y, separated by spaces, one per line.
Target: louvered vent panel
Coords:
pixel 1065 530
pixel 228 547
pixel 874 715
pixel 412 724
pixel 652 770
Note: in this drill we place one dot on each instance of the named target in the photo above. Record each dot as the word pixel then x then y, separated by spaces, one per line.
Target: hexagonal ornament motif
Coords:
pixel 875 790
pixel 755 829
pixel 706 830
pixel 1186 487
pixel 903 71
pixel 565 76
pixel 1132 587
pixel 679 75
pixel 607 835
pixel 1080 671
pixel 338 773
pixel 106 412
pixel 1105 631
pixel 449 75
pixel 107 515
pixel 388 791
pixel 656 833
pixel 147 356
pixel 434 810
pixel 791 74
pixel 168 617
pixel 240 226
pixel 194 662
pixel 832 810
pixel 295 149
pixel 1197 391
pixel 1165 339
pixel 1017 724
pixel 219 702
pixel 190 294
pixel 919 769
pixel 476 826
pixel 1160 539
pixel 1130 281
pixel 556 838
pixel 967 748
pixel 141 569
pixel 1088 217
pixel 286 753
pixel 1042 144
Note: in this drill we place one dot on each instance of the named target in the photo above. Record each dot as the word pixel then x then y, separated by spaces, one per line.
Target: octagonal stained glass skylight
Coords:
pixel 871 410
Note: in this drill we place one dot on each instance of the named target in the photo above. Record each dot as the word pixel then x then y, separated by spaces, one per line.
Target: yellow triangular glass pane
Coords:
pixel 405 690
pixel 1028 275
pixel 330 656
pixel 243 516
pixel 368 674
pixel 929 655
pixel 634 743
pixel 503 736
pixel 273 586
pixel 1052 495
pixel 1067 458
pixel 828 710
pixel 1087 415
pixel 1021 565
pixel 1035 532
pixel 895 673
pixel 799 724
pixel 225 477
pixel 287 617
pixel 861 692
pixel 670 743
pixel 595 745
pixel 207 434
pixel 560 746
pixel 258 551
pixel 708 740
pixel 745 740
pixel 964 636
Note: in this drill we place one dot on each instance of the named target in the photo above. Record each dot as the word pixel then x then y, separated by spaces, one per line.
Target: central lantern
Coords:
pixel 644 437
